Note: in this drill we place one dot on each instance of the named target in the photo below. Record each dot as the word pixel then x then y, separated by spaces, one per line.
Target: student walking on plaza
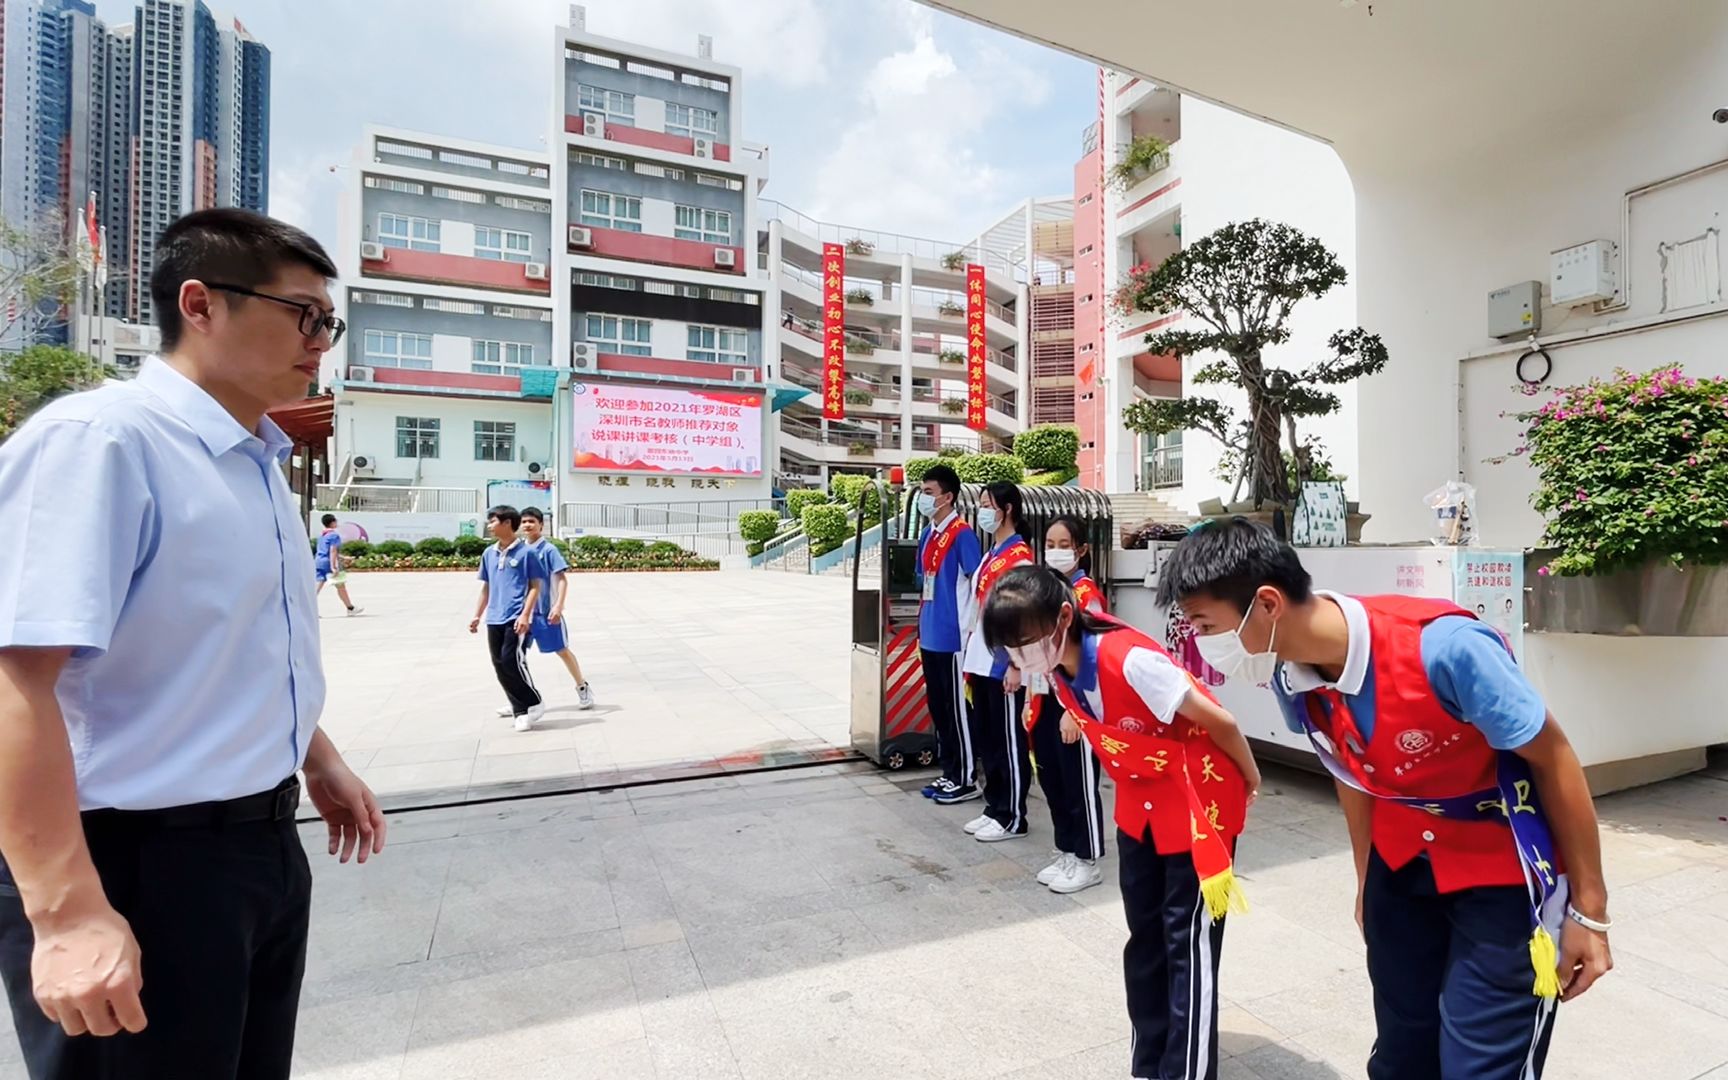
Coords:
pixel 548 629
pixel 160 685
pixel 1478 866
pixel 510 576
pixel 993 690
pixel 947 557
pixel 1184 779
pixel 331 566
pixel 1067 769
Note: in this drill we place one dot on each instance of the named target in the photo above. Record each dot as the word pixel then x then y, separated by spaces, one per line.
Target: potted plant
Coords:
pixel 951 356
pixel 1144 156
pixel 861 345
pixel 859 397
pixel 1236 289
pixel 861 296
pixel 860 246
pixel 951 308
pixel 954 260
pixel 1632 476
pixel 954 406
pixel 861 449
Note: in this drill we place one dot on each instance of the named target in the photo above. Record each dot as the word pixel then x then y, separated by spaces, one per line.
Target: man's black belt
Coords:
pixel 277 804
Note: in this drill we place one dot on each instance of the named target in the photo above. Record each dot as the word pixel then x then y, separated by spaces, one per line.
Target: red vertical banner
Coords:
pixel 833 332
pixel 975 399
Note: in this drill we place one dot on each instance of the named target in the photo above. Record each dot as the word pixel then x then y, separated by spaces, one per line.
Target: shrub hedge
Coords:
pixel 845 488
pixel 798 498
pixel 471 547
pixel 1048 447
pixel 758 526
pixel 826 526
pixel 989 469
pixel 435 545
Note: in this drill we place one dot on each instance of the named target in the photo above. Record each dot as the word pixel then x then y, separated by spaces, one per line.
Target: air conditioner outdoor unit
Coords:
pixel 593 125
pixel 534 271
pixel 582 356
pixel 743 375
pixel 536 468
pixel 581 236
pixel 364 466
pixel 725 258
pixel 359 373
pixel 704 148
pixel 371 252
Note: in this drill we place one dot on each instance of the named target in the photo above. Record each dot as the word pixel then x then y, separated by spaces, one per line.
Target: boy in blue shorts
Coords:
pixel 330 564
pixel 510 576
pixel 548 629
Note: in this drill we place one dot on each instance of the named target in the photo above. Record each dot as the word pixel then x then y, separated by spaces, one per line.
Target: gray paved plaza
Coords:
pixel 828 922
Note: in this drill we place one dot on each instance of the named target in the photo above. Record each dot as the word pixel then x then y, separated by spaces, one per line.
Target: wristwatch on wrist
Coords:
pixel 1587 922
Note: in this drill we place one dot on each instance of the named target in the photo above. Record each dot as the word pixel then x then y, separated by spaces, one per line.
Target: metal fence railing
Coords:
pixel 669 520
pixel 398 499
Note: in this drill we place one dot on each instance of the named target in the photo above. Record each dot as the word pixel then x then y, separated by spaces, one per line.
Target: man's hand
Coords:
pixel 555 616
pixel 524 622
pixel 1584 958
pixel 1070 728
pixel 1011 679
pixel 474 625
pixel 348 808
pixel 85 972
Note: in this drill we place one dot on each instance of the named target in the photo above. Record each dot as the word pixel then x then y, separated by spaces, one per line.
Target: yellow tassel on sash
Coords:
pixel 1223 895
pixel 1545 958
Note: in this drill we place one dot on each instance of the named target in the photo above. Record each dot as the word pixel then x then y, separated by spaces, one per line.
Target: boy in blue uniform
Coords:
pixel 329 563
pixel 510 576
pixel 948 556
pixel 548 632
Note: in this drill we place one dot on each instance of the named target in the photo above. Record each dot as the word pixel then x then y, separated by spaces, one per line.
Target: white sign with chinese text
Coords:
pixel 620 428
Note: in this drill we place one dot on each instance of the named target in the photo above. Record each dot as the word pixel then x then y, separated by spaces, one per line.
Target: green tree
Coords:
pixel 1237 288
pixel 38 375
pixel 38 277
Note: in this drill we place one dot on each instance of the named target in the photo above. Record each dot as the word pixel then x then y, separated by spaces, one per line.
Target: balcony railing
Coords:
pixel 937 297
pixel 1161 468
pixel 398 499
pixel 881 242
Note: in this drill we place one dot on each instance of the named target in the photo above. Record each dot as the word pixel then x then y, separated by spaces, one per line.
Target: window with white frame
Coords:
pixel 689 120
pixel 502 357
pixel 618 106
pixel 600 161
pixel 512 202
pixel 424 153
pixel 663 172
pixel 466 161
pixel 504 311
pixel 710 180
pixel 417 436
pixel 606 281
pixel 627 337
pixel 390 183
pixel 453 307
pixel 601 209
pixel 457 195
pixel 718 345
pixel 381 299
pixel 392 348
pixel 494 440
pixel 413 233
pixel 507 245
pixel 709 226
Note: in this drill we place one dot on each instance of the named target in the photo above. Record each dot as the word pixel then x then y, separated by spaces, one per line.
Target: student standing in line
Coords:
pixel 330 565
pixel 510 576
pixel 947 556
pixel 994 693
pixel 1067 769
pixel 1184 778
pixel 548 631
pixel 1432 733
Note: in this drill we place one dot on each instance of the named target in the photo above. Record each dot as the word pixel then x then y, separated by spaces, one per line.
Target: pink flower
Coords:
pixel 1544 571
pixel 1692 460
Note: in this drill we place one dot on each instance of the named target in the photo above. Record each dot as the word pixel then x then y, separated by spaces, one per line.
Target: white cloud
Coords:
pixel 913 158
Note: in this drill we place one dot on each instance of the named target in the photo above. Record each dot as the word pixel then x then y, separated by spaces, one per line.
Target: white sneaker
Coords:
pixel 976 823
pixel 994 831
pixel 506 710
pixel 1058 866
pixel 353 611
pixel 526 721
pixel 584 697
pixel 1082 874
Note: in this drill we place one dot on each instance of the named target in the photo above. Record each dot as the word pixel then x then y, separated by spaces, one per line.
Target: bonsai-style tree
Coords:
pixel 1237 288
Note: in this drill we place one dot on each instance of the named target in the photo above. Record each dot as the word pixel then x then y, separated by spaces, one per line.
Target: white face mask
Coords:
pixel 1062 559
pixel 987 520
pixel 926 504
pixel 1039 657
pixel 1227 654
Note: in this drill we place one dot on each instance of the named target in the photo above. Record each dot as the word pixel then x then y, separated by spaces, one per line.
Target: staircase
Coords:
pixel 1135 508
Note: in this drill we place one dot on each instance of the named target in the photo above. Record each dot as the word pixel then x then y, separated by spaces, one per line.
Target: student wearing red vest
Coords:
pixel 1478 865
pixel 993 688
pixel 947 556
pixel 1066 767
pixel 1184 779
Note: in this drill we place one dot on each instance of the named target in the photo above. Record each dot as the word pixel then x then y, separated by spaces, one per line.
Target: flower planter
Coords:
pixel 1215 510
pixel 1658 599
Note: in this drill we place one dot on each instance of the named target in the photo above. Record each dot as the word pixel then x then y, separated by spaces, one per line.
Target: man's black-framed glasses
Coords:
pixel 313 319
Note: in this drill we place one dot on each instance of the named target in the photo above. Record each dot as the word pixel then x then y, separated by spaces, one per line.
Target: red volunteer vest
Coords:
pixel 1419 750
pixel 1150 796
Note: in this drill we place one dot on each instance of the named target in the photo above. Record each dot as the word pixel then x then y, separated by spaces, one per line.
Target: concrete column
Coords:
pixel 1023 349
pixel 906 354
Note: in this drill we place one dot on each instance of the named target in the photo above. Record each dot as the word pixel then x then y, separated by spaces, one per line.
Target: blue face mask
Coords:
pixel 926 504
pixel 988 520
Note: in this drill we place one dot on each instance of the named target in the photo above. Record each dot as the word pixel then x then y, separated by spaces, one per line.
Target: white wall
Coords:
pixel 366 424
pixel 586 487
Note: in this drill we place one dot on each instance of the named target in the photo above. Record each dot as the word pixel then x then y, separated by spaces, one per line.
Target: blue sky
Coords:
pixel 880 113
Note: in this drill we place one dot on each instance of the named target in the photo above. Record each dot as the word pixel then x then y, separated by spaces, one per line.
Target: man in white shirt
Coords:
pixel 160 685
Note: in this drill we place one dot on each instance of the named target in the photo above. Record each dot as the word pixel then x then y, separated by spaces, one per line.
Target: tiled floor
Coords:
pixel 686 666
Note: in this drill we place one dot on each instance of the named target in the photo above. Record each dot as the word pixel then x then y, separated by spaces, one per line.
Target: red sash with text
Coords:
pixel 1015 554
pixel 936 548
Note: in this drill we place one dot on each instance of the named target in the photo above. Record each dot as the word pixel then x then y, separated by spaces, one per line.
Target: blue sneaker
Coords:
pixel 937 787
pixel 958 794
